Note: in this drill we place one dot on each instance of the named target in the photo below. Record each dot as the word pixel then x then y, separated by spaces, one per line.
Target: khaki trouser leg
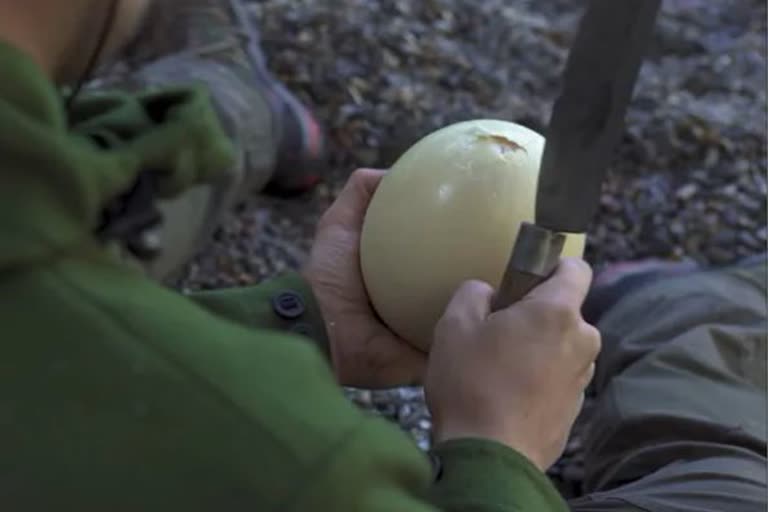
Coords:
pixel 190 219
pixel 681 417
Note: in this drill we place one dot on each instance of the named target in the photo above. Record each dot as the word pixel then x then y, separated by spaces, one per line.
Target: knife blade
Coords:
pixel 586 124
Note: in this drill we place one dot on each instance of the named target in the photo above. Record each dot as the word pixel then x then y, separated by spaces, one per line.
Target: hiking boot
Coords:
pixel 222 30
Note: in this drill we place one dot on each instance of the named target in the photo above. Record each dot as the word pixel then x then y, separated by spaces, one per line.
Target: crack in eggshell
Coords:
pixel 505 144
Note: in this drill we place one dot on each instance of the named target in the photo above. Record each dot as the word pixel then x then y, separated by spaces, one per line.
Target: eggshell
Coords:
pixel 449 210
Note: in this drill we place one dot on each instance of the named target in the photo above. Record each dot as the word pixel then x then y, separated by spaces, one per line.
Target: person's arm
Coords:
pixel 161 405
pixel 380 473
pixel 285 303
pixel 502 407
pixel 476 475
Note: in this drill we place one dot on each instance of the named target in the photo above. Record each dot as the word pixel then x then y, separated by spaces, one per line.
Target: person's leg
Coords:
pixel 190 219
pixel 680 422
pixel 212 43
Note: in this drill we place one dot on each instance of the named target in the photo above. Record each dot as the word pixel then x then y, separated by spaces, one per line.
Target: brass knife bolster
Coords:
pixel 534 259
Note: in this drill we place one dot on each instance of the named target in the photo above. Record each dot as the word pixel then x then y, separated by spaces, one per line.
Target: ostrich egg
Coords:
pixel 449 210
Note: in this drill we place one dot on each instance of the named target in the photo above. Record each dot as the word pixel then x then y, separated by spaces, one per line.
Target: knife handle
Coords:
pixel 534 259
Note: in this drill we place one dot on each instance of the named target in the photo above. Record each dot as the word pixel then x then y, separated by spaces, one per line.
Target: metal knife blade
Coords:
pixel 588 117
pixel 587 122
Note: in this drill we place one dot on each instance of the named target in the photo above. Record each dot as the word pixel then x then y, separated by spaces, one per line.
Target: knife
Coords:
pixel 586 124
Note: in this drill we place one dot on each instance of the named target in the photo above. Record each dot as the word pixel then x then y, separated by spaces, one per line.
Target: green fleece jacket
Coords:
pixel 117 394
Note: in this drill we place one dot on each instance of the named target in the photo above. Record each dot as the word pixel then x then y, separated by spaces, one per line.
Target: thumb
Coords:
pixel 570 284
pixel 472 301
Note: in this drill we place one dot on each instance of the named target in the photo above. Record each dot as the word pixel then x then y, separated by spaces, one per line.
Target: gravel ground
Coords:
pixel 689 180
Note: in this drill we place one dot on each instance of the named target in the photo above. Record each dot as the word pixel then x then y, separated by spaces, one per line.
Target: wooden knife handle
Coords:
pixel 534 259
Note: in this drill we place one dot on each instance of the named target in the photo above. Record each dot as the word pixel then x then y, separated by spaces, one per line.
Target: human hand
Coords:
pixel 516 376
pixel 364 351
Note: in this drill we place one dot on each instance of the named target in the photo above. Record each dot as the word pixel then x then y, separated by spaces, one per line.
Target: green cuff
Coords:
pixel 285 303
pixel 485 476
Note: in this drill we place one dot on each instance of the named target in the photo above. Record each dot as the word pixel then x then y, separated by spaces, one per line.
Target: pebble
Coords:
pixel 687 191
pixel 750 241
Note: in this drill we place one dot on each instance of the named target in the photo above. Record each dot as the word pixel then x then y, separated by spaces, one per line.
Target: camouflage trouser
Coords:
pixel 680 423
pixel 246 117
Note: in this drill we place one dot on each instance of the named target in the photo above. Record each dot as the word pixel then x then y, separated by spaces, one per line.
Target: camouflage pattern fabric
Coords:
pixel 680 423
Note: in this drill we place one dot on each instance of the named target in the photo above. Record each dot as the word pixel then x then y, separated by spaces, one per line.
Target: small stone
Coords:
pixel 712 158
pixel 411 393
pixel 687 191
pixel 761 185
pixel 387 410
pixel 423 440
pixel 361 397
pixel 751 204
pixel 745 222
pixel 730 190
pixel 677 228
pixel 750 240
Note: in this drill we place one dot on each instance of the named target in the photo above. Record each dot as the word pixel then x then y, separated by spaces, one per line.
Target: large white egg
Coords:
pixel 449 210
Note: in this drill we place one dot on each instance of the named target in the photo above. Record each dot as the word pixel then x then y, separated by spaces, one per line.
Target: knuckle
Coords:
pixel 590 373
pixel 578 265
pixel 459 319
pixel 592 340
pixel 585 379
pixel 357 176
pixel 561 315
pixel 469 296
pixel 449 323
pixel 474 287
pixel 361 178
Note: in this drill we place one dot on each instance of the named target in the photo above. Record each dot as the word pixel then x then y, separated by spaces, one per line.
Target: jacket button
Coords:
pixel 288 305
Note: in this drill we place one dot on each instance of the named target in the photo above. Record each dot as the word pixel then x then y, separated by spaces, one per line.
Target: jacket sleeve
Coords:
pixel 469 475
pixel 285 303
pixel 477 475
pixel 472 475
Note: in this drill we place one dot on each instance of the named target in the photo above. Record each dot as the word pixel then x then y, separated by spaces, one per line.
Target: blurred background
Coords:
pixel 689 180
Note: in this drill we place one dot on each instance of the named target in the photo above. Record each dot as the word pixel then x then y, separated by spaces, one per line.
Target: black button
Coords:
pixel 288 305
pixel 302 329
